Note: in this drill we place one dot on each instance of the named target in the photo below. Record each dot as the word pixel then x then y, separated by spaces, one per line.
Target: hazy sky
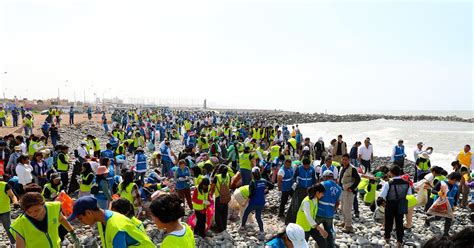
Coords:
pixel 293 55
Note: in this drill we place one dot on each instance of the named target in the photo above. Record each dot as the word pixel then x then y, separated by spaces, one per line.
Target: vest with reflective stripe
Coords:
pixel 203 196
pixel 35 238
pixel 63 166
pixel 399 152
pixel 369 196
pixel 127 192
pixel 120 223
pixel 423 165
pixel 184 241
pixel 301 217
pixel 141 161
pixel 287 181
pixel 305 177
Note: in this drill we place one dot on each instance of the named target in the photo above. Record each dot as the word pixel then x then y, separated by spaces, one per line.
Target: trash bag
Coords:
pixel 421 197
pixel 412 201
pixel 209 216
pixel 66 203
pixel 441 207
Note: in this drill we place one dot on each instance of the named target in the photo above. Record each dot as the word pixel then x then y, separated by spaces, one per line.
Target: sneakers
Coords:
pixel 261 236
pixel 348 229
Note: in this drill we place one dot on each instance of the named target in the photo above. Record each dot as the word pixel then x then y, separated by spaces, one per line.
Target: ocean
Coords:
pixel 447 138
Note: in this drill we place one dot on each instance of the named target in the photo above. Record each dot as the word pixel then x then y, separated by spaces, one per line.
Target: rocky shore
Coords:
pixel 367 233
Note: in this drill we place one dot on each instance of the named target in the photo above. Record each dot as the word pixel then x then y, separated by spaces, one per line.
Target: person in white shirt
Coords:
pixel 23 171
pixel 315 193
pixel 365 155
pixel 419 150
pixel 82 152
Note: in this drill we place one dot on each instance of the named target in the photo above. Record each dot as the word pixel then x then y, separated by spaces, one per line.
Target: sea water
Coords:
pixel 447 138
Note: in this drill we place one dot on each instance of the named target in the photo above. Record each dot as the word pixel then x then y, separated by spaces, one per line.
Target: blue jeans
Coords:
pixel 103 204
pixel 258 215
pixel 246 176
pixel 166 168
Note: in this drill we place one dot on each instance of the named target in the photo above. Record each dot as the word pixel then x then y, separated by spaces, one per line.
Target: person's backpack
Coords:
pixel 224 192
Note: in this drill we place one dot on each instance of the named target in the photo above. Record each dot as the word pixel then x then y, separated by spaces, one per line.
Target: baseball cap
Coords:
pixel 328 173
pixel 81 205
pixel 420 143
pixel 295 234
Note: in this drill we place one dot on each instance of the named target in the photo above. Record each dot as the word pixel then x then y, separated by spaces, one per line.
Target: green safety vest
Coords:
pixel 274 152
pixel 4 199
pixel 245 162
pixel 301 218
pixel 63 166
pixel 184 241
pixel 203 145
pixel 363 183
pixel 138 223
pixel 423 165
pixel 256 133
pixel 439 178
pixel 51 189
pixel 369 196
pixel 31 149
pixel 292 142
pixel 35 238
pixel 245 191
pixel 120 223
pixel 85 187
pixel 127 193
pixel 201 196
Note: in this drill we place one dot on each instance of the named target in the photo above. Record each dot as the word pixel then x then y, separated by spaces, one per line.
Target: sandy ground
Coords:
pixel 39 120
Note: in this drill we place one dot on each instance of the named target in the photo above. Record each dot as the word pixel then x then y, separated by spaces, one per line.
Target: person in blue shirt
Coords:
pixel 114 141
pixel 285 185
pixel 305 177
pixel 182 175
pixel 257 189
pixel 328 204
pixel 291 237
pixel 71 115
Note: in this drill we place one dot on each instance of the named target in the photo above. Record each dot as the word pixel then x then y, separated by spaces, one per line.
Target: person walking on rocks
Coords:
pixel 201 201
pixel 182 176
pixel 115 229
pixel 305 176
pixel 167 210
pixel 395 192
pixel 285 185
pixel 307 214
pixel 339 149
pixel 220 187
pixel 328 204
pixel 71 115
pixel 398 154
pixel 102 191
pixel 349 180
pixel 62 166
pixel 365 154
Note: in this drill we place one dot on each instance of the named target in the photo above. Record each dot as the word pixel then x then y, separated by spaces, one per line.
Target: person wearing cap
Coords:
pixel 115 229
pixel 422 166
pixel 307 214
pixel 328 205
pixel 82 152
pixel 285 185
pixel 398 154
pixel 102 193
pixel 417 152
pixel 257 189
pixel 52 188
pixel 291 237
pixel 38 225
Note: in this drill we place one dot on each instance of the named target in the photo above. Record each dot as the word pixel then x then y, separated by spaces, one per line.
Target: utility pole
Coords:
pixel 58 96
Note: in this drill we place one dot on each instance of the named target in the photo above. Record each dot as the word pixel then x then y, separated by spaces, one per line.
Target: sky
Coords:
pixel 307 56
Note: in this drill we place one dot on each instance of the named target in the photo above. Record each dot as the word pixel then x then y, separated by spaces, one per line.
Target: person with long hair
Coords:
pixel 128 190
pixel 86 179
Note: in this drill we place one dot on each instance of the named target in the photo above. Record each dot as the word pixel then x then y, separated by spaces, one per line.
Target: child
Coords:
pixel 379 211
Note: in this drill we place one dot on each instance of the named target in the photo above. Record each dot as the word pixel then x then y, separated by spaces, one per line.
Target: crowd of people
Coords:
pixel 228 165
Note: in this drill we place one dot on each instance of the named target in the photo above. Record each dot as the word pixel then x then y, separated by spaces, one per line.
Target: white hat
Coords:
pixel 328 173
pixel 83 143
pixel 424 155
pixel 295 234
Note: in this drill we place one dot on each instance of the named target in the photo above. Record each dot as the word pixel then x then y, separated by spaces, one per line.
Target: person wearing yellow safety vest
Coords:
pixel 124 207
pixel 423 165
pixel 115 229
pixel 307 214
pixel 39 224
pixel 3 117
pixel 122 148
pixel 203 143
pixel 95 145
pixel 7 197
pixel 166 212
pixel 86 179
pixel 220 187
pixel 246 163
pixel 52 188
pixel 62 166
pixel 201 201
pixel 465 157
pixel 128 190
pixel 33 146
pixel 28 124
pixel 437 174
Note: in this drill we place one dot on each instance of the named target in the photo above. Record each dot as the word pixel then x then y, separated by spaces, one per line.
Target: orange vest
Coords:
pixel 465 158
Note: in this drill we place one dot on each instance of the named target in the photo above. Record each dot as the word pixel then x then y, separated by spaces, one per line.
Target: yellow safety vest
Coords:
pixel 51 189
pixel 31 149
pixel 301 218
pixel 465 158
pixel 184 241
pixel 138 223
pixel 274 152
pixel 245 191
pixel 127 193
pixel 35 238
pixel 4 199
pixel 63 166
pixel 85 187
pixel 201 196
pixel 120 223
pixel 244 161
